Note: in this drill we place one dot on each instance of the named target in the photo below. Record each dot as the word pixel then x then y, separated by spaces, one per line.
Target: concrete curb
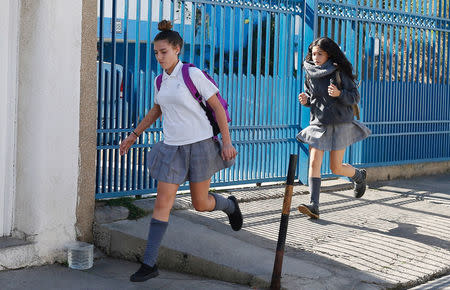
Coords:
pixel 126 246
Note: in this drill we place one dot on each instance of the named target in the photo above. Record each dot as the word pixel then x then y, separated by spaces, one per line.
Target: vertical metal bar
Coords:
pixel 290 93
pixel 141 138
pixel 125 95
pixel 267 78
pixel 258 97
pixel 113 95
pixel 171 12
pixel 193 33
pixel 212 39
pixel 130 154
pixel 311 21
pixel 105 151
pixel 182 23
pixel 148 86
pixel 446 15
pixel 202 28
pixel 222 50
pixel 424 41
pixel 117 134
pixel 137 152
pixel 250 93
pixel 230 63
pixel 275 71
pixel 439 51
pixel 419 53
pixel 240 100
pixel 281 83
pixel 100 80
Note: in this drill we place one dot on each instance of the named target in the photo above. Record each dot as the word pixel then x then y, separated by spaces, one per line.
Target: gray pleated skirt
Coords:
pixel 333 136
pixel 195 162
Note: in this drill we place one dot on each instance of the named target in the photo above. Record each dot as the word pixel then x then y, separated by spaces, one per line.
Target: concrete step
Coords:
pixel 15 253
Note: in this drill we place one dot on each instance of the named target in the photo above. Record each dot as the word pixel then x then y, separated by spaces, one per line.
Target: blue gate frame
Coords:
pixel 254 50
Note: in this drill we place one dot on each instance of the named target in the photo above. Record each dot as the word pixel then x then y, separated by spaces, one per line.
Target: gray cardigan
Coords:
pixel 324 108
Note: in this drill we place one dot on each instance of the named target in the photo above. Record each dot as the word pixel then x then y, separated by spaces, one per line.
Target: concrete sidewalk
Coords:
pixel 107 273
pixel 397 235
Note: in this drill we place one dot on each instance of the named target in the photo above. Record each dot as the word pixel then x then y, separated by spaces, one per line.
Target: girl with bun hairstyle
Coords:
pixel 188 151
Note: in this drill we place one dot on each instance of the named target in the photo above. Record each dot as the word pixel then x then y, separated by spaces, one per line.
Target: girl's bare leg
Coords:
pixel 357 175
pixel 315 161
pixel 201 199
pixel 339 168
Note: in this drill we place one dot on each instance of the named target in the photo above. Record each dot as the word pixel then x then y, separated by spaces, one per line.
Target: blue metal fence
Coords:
pixel 254 50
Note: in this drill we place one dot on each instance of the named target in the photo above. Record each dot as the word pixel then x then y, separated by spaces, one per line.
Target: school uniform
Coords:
pixel 332 125
pixel 188 151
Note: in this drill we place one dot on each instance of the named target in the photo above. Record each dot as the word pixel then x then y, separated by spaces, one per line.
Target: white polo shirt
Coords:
pixel 184 120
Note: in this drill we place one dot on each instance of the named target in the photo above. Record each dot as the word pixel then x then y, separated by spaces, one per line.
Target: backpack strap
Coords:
pixel 159 81
pixel 189 83
pixel 338 79
pixel 194 92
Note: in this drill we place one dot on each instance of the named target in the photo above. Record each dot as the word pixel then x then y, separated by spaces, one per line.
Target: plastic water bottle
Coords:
pixel 80 255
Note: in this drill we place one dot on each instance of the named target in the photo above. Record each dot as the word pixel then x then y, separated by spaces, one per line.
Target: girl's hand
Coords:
pixel 127 143
pixel 228 152
pixel 333 91
pixel 303 98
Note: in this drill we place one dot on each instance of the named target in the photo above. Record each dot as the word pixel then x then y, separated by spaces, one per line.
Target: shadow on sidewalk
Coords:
pixel 393 235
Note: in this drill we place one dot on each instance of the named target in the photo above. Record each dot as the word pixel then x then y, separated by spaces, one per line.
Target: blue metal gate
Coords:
pixel 254 50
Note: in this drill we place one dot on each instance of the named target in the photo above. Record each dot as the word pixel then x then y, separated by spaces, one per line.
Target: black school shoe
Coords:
pixel 235 218
pixel 360 187
pixel 309 210
pixel 144 273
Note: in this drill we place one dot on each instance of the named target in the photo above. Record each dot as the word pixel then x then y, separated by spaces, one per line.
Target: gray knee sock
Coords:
pixel 155 236
pixel 223 204
pixel 358 176
pixel 314 188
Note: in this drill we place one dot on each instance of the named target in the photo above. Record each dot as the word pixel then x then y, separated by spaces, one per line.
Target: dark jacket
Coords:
pixel 324 108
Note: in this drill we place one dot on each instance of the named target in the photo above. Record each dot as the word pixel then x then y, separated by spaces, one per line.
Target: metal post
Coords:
pixel 276 274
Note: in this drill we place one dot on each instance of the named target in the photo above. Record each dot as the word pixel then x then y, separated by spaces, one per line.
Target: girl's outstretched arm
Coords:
pixel 148 120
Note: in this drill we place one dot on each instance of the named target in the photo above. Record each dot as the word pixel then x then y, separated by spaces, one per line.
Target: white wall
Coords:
pixel 8 99
pixel 48 123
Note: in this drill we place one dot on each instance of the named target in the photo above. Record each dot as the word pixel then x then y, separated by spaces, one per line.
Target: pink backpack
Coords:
pixel 190 85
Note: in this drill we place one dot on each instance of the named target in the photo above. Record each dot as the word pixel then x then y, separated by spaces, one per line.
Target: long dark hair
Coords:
pixel 335 54
pixel 173 37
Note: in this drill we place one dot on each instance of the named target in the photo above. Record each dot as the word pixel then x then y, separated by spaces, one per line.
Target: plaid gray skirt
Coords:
pixel 195 162
pixel 333 136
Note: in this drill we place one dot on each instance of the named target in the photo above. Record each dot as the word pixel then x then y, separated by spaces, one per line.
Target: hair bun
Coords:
pixel 165 25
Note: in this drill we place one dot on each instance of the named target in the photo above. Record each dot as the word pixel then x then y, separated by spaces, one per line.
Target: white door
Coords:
pixel 9 23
